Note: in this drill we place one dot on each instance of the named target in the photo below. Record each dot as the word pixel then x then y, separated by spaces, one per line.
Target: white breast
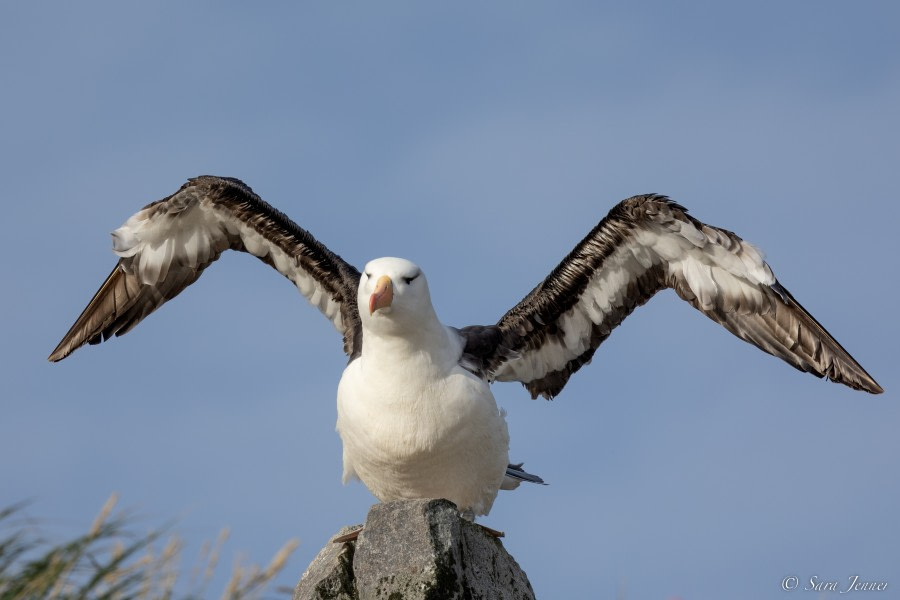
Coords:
pixel 413 429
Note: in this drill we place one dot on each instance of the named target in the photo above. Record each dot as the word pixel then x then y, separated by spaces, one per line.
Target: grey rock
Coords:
pixel 415 550
pixel 330 574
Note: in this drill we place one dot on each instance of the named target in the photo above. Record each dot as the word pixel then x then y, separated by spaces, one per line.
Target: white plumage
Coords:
pixel 415 411
pixel 413 422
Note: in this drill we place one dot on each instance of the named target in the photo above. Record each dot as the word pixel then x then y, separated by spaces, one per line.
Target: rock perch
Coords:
pixel 415 550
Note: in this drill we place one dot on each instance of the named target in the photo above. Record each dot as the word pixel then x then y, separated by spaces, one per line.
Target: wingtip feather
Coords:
pixel 93 319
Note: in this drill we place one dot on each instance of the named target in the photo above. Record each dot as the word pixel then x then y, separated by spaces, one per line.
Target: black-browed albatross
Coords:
pixel 415 410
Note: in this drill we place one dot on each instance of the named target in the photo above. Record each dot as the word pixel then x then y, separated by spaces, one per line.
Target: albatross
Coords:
pixel 415 410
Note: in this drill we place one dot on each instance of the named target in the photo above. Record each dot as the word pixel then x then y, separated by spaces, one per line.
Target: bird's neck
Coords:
pixel 428 346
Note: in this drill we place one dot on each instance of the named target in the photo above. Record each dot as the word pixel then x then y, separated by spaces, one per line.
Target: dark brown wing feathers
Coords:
pixel 123 300
pixel 766 315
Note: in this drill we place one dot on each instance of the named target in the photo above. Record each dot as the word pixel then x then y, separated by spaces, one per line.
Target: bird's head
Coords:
pixel 393 296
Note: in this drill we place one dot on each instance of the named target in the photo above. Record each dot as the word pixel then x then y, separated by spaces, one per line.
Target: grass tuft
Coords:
pixel 112 562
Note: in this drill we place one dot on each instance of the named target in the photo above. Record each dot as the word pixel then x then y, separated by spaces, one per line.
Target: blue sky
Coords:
pixel 481 141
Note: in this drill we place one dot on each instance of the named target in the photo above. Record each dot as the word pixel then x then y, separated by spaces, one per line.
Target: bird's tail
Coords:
pixel 515 475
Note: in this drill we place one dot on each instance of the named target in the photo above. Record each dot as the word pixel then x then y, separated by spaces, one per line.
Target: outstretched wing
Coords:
pixel 645 244
pixel 166 246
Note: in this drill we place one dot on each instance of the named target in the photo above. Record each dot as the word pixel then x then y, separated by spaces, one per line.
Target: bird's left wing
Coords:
pixel 645 244
pixel 166 246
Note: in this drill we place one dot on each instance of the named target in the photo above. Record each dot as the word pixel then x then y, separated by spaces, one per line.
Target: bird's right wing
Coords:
pixel 166 246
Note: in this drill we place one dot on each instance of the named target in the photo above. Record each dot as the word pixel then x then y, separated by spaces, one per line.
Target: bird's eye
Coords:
pixel 409 280
pixel 368 275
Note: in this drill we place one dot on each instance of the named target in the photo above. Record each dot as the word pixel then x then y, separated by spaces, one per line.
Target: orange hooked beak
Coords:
pixel 383 294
